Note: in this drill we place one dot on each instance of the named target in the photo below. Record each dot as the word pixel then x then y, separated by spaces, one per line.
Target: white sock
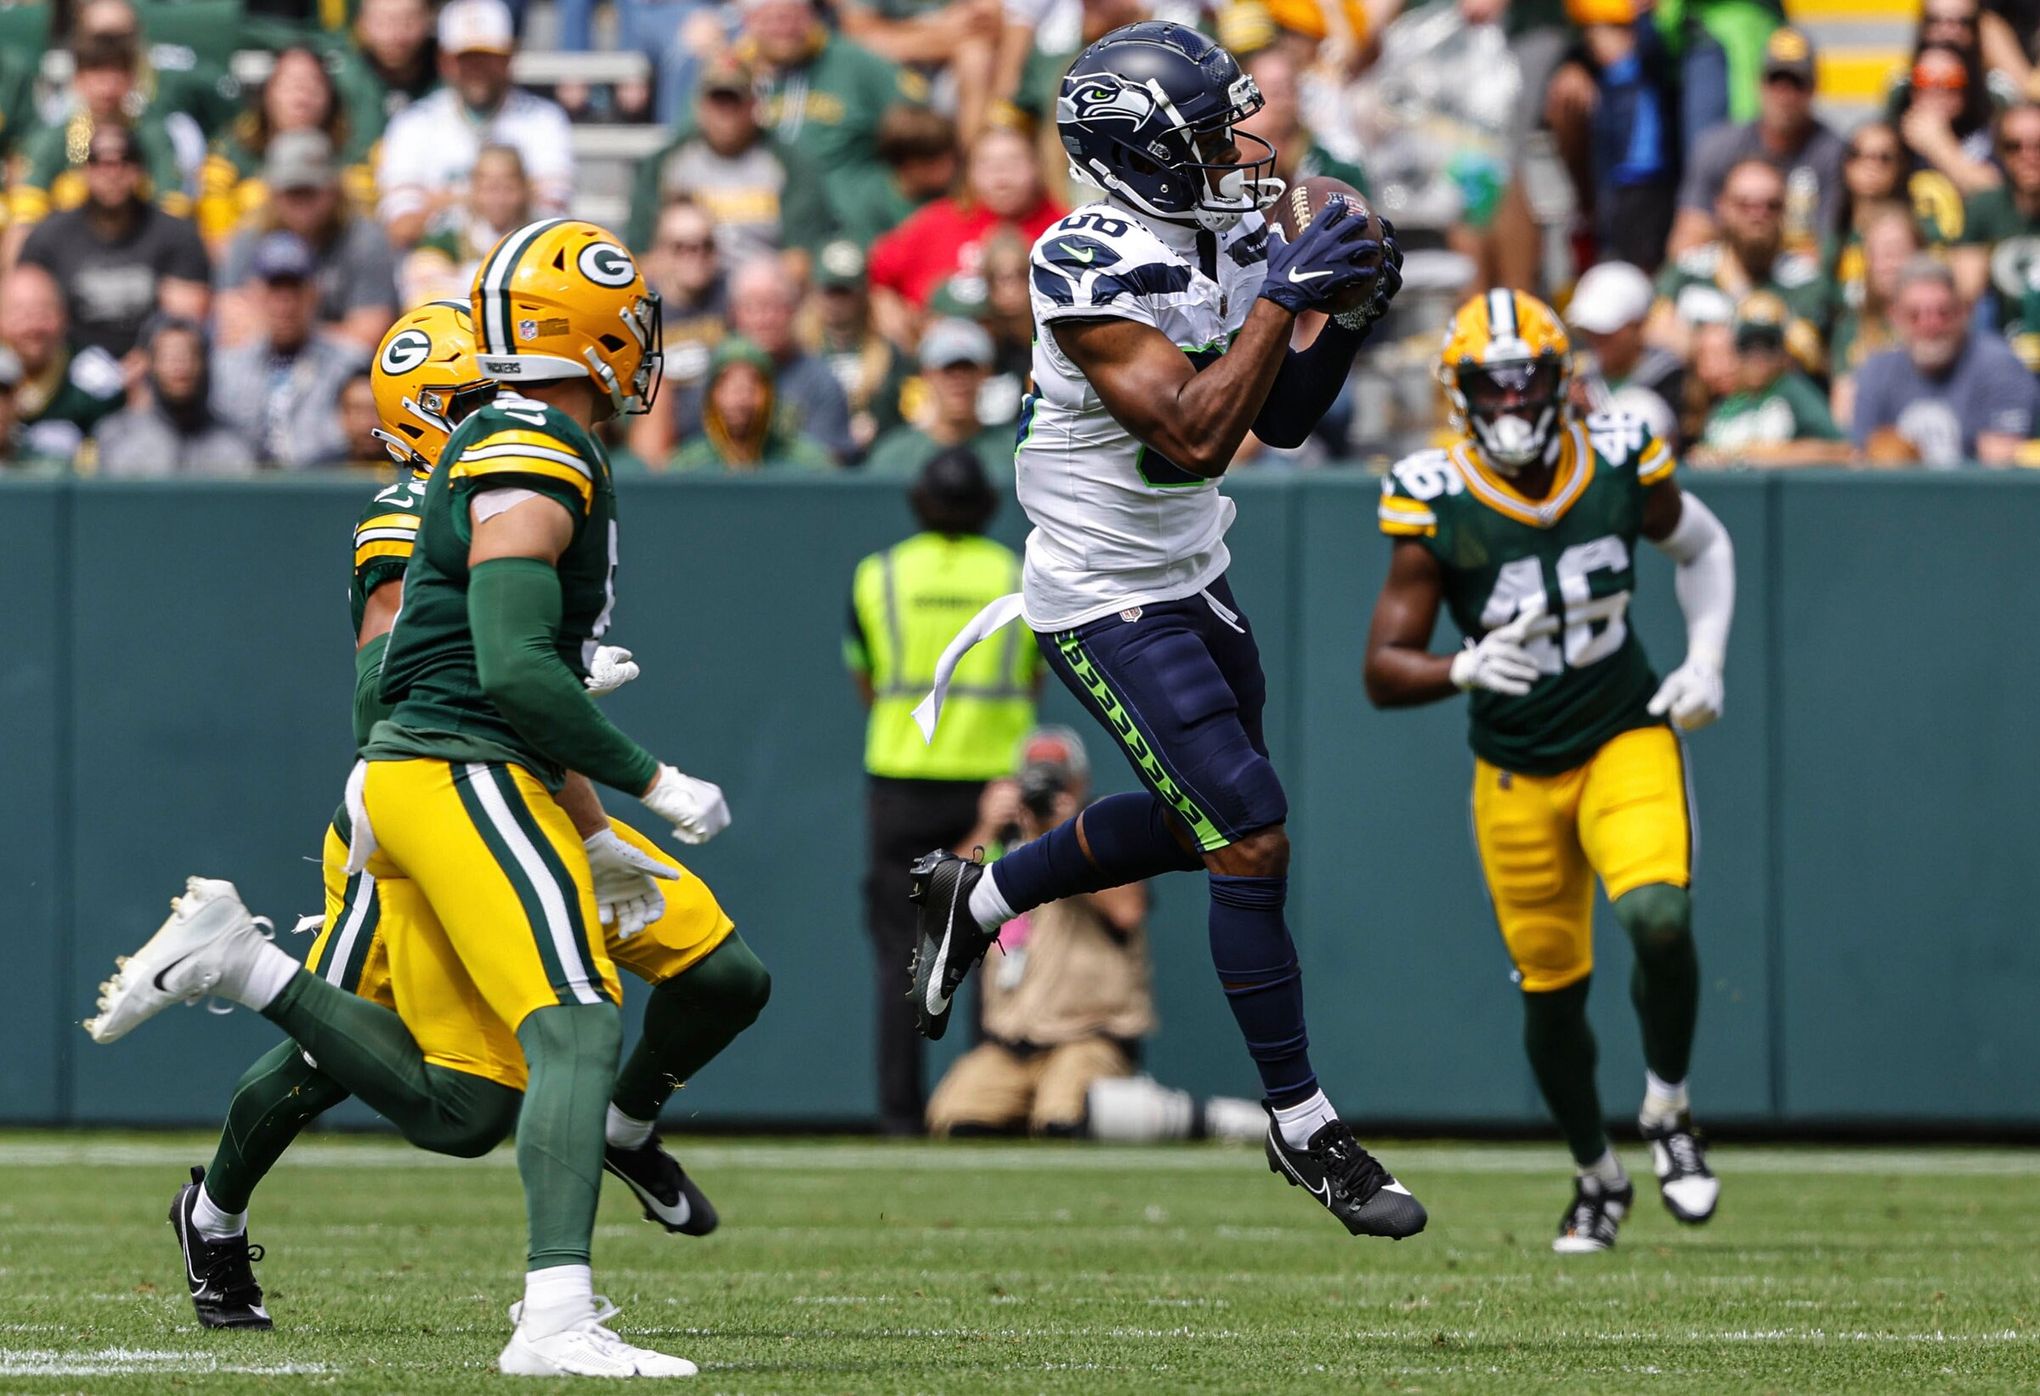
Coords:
pixel 557 1297
pixel 266 975
pixel 988 905
pixel 1606 1170
pixel 1300 1121
pixel 623 1132
pixel 212 1223
pixel 1663 1101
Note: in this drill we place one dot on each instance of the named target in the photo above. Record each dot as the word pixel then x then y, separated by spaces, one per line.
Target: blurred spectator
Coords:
pixel 102 93
pixel 742 430
pixel 1775 416
pixel 1945 120
pixel 1280 122
pixel 1706 282
pixel 953 41
pixel 1068 1002
pixel 1947 394
pixel 359 423
pixel 2010 33
pixel 759 197
pixel 686 269
pixel 823 94
pixel 11 453
pixel 997 299
pixel 1002 192
pixel 673 35
pixel 392 63
pixel 174 431
pixel 1864 326
pixel 1715 374
pixel 431 146
pixel 918 161
pixel 193 95
pixel 63 394
pixel 1619 371
pixel 444 263
pixel 281 388
pixel 1999 258
pixel 1631 157
pixel 298 99
pixel 118 257
pixel 869 369
pixel 1874 181
pixel 905 605
pixel 956 359
pixel 1786 134
pixel 762 303
pixel 355 266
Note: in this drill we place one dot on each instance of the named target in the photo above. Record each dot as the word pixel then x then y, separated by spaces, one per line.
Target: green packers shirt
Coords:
pixel 1569 556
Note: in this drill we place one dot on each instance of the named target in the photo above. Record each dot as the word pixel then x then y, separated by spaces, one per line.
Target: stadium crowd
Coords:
pixel 194 272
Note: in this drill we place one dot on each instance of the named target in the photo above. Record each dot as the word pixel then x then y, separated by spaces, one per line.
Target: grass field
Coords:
pixel 846 1266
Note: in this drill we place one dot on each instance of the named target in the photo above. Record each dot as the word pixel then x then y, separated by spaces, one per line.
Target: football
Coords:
pixel 1305 200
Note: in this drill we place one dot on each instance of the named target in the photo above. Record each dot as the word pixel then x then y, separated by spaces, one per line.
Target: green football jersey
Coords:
pixel 1569 556
pixel 429 671
pixel 384 536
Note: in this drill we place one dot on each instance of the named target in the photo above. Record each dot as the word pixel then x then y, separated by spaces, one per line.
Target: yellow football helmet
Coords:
pixel 1506 366
pixel 561 298
pixel 426 382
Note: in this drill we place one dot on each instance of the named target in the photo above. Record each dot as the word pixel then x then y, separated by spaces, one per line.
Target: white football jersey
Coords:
pixel 1117 525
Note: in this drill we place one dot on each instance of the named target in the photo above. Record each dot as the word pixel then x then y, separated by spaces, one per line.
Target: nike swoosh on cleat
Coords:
pixel 1392 1186
pixel 936 1000
pixel 161 987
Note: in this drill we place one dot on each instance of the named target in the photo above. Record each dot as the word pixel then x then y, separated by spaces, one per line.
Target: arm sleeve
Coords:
pixel 1705 579
pixel 1305 387
pixel 514 612
pixel 370 707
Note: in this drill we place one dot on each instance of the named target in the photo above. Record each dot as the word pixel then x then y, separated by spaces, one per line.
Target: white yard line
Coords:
pixel 85 1150
pixel 123 1362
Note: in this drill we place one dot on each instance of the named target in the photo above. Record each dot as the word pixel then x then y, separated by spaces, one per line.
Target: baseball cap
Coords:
pixel 951 342
pixel 1760 320
pixel 476 26
pixel 283 257
pixel 1608 297
pixel 1789 53
pixel 839 266
pixel 727 74
pixel 1058 750
pixel 299 160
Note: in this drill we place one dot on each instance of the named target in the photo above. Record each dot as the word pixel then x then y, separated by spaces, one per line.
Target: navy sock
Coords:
pixel 1256 963
pixel 1131 838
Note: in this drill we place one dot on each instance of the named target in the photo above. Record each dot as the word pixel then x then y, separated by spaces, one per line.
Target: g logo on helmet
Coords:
pixel 406 351
pixel 606 264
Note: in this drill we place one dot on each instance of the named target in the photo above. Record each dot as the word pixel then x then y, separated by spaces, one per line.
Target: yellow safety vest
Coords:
pixel 909 602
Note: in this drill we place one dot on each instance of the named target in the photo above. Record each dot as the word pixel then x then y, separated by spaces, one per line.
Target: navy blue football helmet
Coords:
pixel 1142 114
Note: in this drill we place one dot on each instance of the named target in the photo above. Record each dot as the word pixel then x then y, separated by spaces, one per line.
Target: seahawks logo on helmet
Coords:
pixel 1091 100
pixel 606 264
pixel 406 351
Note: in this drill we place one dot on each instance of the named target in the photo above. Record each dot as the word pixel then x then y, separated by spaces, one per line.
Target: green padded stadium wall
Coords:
pixel 174 698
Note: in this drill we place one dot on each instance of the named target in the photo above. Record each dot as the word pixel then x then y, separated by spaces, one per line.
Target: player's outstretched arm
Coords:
pixel 1687 531
pixel 1401 671
pixel 1199 419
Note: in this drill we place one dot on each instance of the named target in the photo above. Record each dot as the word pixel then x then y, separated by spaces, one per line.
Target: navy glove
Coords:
pixel 1367 316
pixel 1323 261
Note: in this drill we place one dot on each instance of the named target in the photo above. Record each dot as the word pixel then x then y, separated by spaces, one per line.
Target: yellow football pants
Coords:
pixel 1623 815
pixel 383 940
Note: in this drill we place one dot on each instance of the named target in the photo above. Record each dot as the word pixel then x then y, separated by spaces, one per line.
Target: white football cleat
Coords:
pixel 584 1349
pixel 209 938
pixel 1678 1156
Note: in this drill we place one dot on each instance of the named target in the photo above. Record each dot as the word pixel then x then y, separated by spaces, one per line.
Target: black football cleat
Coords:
pixel 668 1195
pixel 948 942
pixel 220 1273
pixel 1596 1213
pixel 1347 1181
pixel 1678 1155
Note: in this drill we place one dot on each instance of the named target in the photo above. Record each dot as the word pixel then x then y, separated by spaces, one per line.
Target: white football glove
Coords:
pixel 695 808
pixel 610 669
pixel 1691 693
pixel 626 883
pixel 1498 662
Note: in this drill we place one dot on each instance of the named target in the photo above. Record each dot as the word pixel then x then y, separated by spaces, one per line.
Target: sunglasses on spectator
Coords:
pixel 1758 205
pixel 1882 154
pixel 1939 80
pixel 1954 21
pixel 694 245
pixel 117 159
pixel 2028 146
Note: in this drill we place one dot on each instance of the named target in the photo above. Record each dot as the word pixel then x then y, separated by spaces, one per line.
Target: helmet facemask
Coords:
pixel 1512 408
pixel 1183 182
